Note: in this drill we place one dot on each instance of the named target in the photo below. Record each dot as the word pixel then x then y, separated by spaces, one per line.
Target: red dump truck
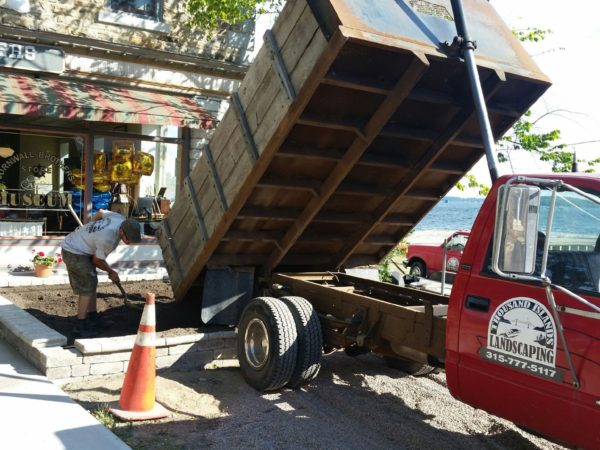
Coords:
pixel 356 118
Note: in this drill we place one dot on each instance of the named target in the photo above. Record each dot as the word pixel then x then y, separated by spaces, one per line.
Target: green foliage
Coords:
pixel 46 260
pixel 104 416
pixel 591 163
pixel 546 145
pixel 397 253
pixel 212 15
pixel 470 181
pixel 526 135
pixel 531 34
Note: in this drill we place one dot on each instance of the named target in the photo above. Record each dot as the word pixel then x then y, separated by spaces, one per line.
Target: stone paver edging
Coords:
pixel 43 347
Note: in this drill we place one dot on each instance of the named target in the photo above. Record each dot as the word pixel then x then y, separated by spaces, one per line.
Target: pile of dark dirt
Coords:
pixel 56 306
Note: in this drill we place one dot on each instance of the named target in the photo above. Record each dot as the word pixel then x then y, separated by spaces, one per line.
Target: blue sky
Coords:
pixel 570 56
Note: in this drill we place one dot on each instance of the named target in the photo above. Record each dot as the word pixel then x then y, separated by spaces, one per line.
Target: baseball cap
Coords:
pixel 132 230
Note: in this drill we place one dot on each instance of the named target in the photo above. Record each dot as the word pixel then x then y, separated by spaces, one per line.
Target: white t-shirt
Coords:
pixel 97 238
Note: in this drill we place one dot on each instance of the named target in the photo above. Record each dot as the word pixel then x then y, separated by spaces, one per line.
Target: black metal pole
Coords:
pixel 88 157
pixel 468 48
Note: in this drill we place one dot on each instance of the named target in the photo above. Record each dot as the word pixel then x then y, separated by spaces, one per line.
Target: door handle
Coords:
pixel 478 303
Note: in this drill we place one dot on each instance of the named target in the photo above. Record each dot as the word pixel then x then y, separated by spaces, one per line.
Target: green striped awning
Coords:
pixel 26 95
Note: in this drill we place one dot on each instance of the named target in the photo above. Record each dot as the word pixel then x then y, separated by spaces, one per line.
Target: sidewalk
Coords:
pixel 37 414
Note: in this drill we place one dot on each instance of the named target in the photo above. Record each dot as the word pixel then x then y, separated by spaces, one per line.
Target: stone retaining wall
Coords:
pixel 44 348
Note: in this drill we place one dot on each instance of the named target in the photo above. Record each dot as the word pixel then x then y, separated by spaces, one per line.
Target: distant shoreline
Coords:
pixel 436 236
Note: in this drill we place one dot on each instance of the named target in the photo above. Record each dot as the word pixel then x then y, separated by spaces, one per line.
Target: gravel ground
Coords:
pixel 354 403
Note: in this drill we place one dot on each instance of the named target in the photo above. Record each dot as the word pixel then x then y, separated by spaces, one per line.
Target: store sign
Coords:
pixel 39 58
pixel 24 199
pixel 38 170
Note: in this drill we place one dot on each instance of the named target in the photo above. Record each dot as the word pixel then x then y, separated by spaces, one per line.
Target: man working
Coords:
pixel 86 249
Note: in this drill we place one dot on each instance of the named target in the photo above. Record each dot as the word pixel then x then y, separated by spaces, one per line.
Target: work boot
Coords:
pixel 83 329
pixel 97 321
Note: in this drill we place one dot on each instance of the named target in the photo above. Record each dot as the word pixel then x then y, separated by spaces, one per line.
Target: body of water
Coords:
pixel 574 216
pixel 451 214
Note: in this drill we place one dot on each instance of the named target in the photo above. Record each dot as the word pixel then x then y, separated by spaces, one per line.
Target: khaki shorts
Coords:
pixel 82 273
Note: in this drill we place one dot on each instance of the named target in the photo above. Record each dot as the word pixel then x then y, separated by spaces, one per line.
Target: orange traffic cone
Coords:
pixel 137 396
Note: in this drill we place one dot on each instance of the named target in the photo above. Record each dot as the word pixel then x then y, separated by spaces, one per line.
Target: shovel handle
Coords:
pixel 122 292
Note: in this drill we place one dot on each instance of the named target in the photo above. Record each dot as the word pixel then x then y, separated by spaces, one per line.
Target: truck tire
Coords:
pixel 310 341
pixel 417 268
pixel 413 368
pixel 267 344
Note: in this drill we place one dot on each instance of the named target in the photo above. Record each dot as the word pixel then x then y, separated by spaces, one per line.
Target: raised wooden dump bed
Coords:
pixel 348 128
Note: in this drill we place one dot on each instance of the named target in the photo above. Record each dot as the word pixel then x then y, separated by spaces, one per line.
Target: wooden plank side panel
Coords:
pixel 299 76
pixel 261 108
pixel 188 240
pixel 268 101
pixel 312 67
pixel 168 258
pixel 254 87
pixel 180 210
pixel 180 213
pixel 223 134
pixel 277 110
pixel 273 105
pixel 282 30
pixel 232 152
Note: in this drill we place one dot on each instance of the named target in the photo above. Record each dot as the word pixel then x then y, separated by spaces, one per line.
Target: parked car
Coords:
pixel 423 259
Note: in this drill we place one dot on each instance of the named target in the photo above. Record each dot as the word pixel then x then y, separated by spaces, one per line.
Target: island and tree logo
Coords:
pixel 522 334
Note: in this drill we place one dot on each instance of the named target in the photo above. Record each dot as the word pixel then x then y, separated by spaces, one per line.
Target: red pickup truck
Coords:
pixel 423 259
pixel 518 336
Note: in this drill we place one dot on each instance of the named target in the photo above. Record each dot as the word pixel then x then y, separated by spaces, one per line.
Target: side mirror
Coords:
pixel 515 234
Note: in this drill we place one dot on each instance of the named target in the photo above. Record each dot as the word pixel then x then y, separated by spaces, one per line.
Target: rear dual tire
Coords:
pixel 279 343
pixel 310 341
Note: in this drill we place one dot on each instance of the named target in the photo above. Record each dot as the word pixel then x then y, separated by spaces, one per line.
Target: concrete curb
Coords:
pixel 60 277
pixel 44 348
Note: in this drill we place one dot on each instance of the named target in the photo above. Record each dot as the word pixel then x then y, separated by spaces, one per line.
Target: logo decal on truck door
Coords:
pixel 452 264
pixel 522 334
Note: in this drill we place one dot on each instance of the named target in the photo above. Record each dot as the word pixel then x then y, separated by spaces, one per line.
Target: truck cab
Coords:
pixel 523 337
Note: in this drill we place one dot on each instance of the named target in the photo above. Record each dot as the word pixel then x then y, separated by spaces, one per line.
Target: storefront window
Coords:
pixel 36 182
pixel 167 163
pixel 43 179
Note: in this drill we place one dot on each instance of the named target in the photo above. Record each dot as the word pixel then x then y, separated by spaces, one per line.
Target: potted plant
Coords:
pixel 43 264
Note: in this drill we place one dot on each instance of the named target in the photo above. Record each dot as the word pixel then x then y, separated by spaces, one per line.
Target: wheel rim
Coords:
pixel 256 343
pixel 416 270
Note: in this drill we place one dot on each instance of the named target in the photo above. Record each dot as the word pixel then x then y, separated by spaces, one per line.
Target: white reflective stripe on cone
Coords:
pixel 145 339
pixel 148 316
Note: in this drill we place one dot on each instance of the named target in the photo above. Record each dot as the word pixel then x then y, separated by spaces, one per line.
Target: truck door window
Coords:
pixel 574 242
pixel 457 242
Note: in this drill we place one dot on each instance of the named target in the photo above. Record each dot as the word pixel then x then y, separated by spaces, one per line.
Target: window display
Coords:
pixel 43 177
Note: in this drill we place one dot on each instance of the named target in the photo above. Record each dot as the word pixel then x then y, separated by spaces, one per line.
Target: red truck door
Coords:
pixel 505 352
pixel 454 250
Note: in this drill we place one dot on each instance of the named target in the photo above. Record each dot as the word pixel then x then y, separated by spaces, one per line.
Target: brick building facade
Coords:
pixel 92 90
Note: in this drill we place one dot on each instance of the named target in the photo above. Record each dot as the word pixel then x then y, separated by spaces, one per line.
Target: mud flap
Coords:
pixel 225 293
